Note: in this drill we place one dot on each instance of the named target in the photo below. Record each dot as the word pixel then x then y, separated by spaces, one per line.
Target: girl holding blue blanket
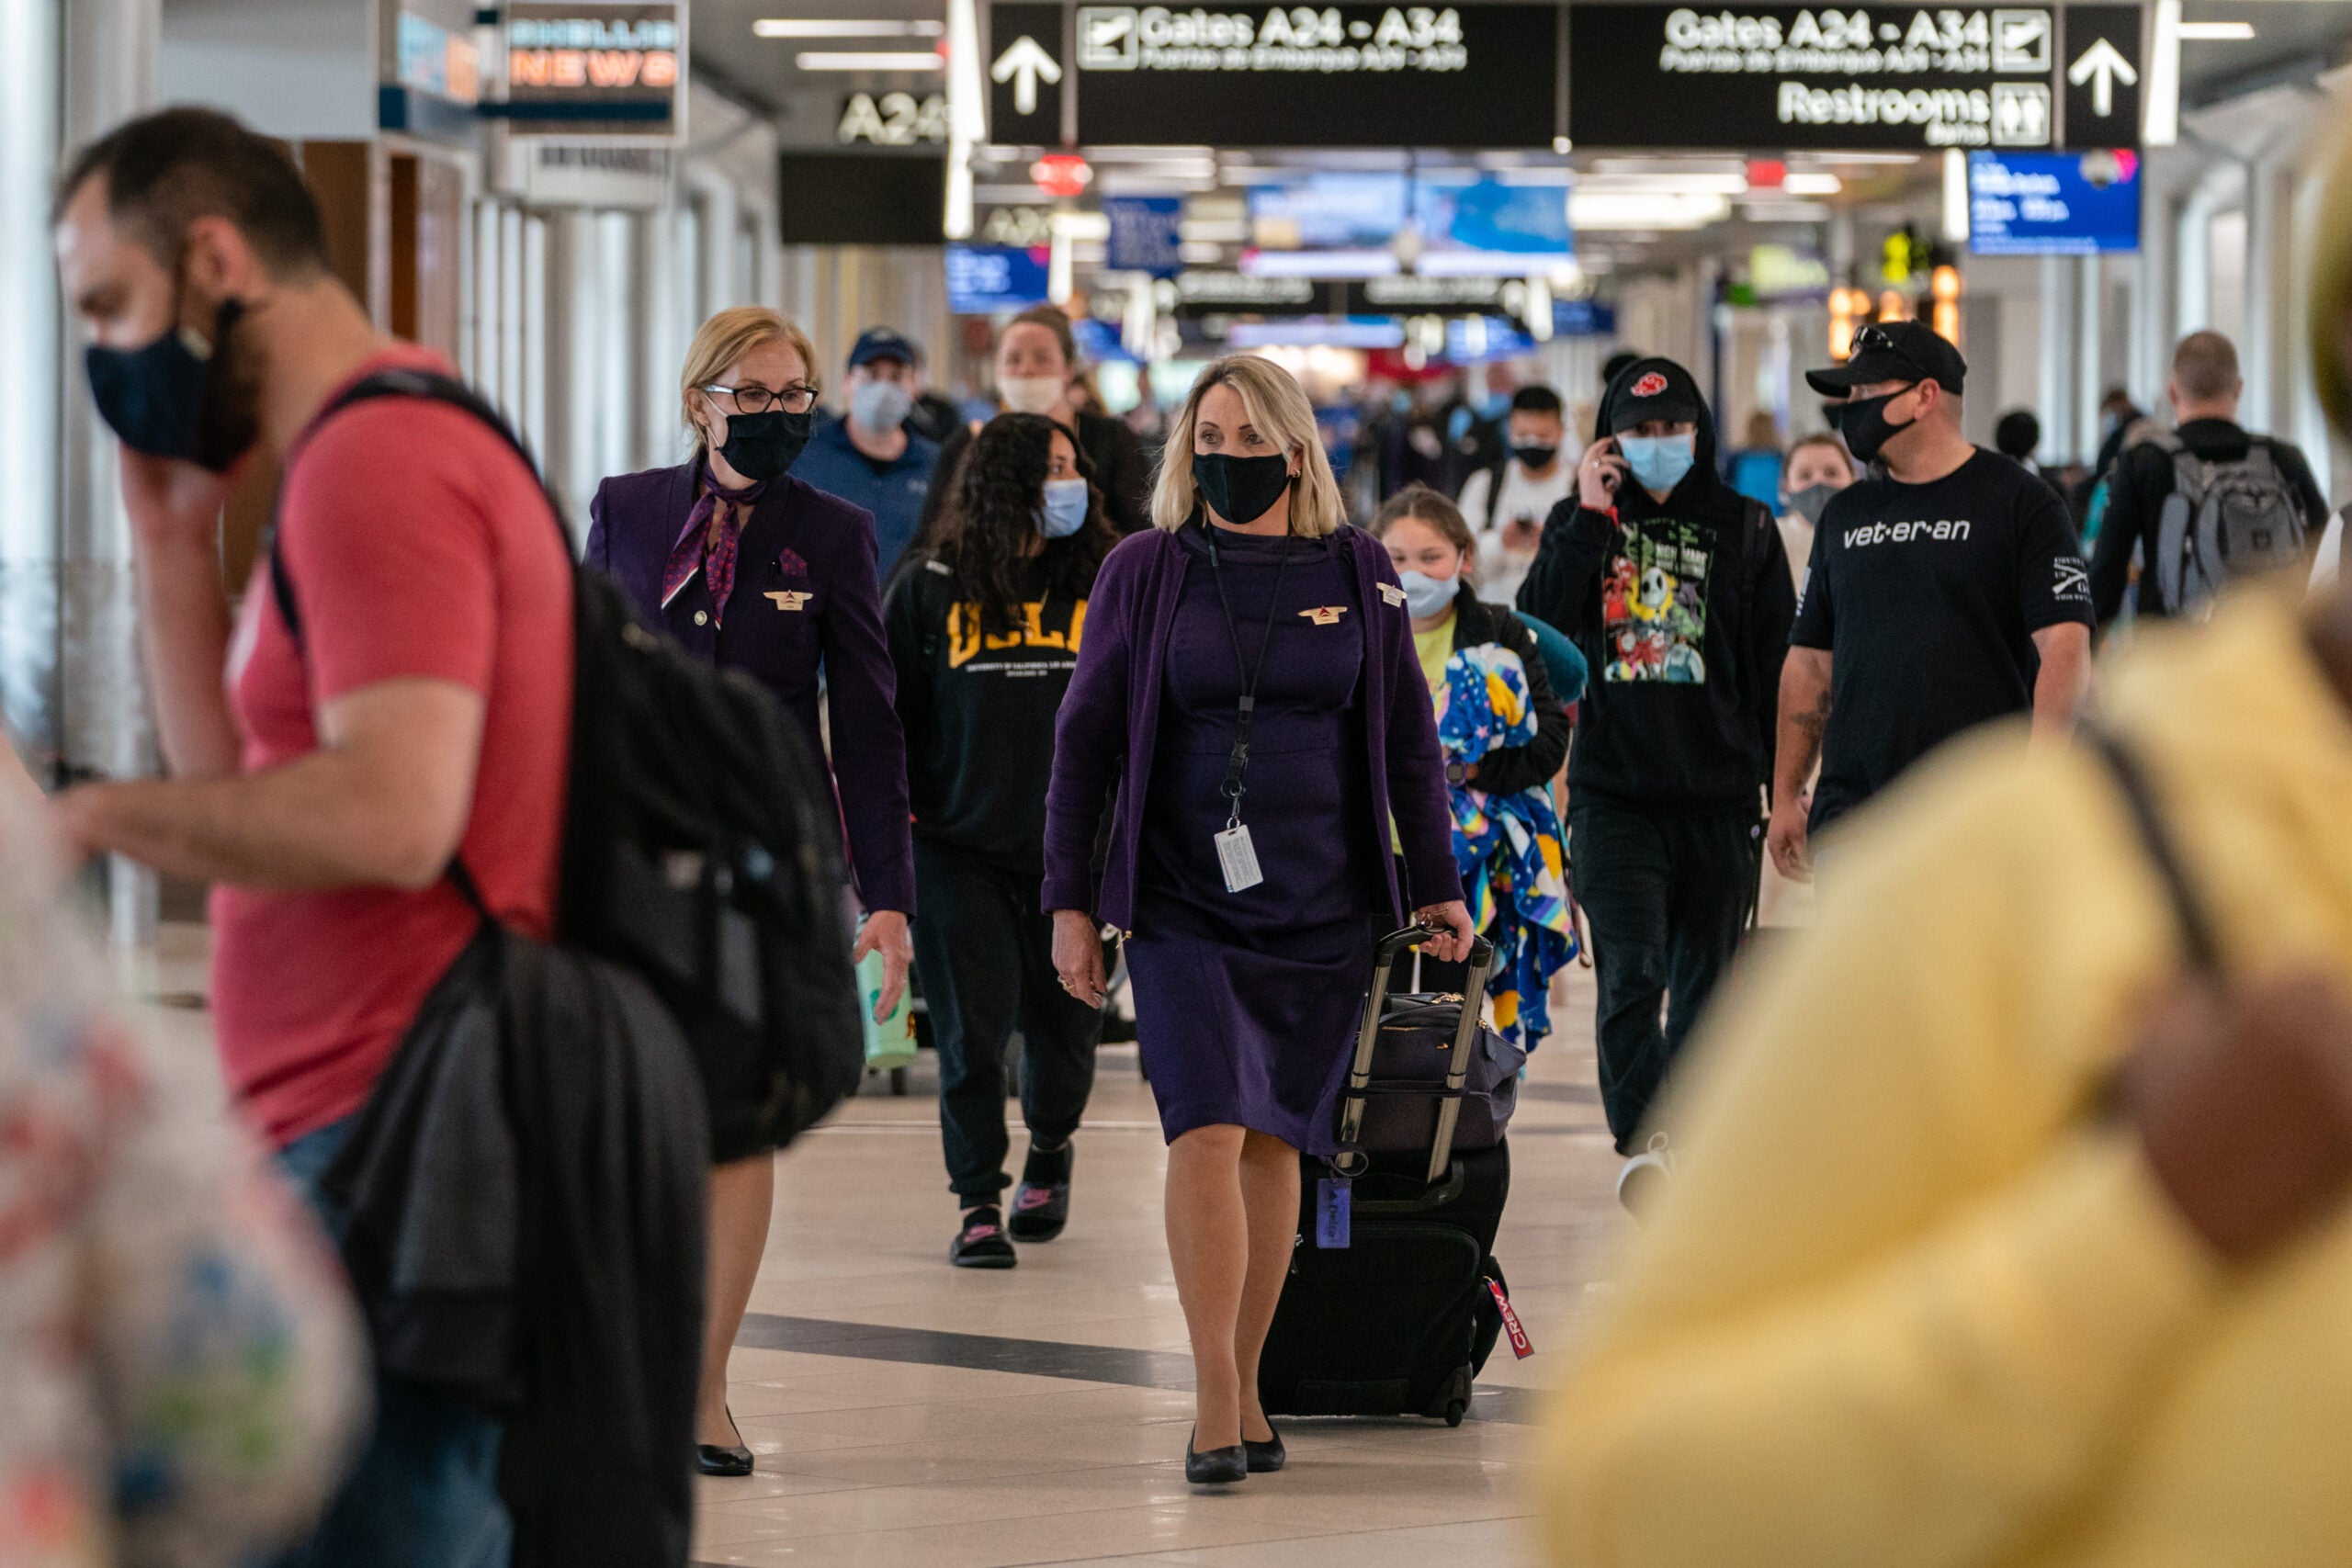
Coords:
pixel 1503 726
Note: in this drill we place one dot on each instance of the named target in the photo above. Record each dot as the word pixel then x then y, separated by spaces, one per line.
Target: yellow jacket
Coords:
pixel 1909 1303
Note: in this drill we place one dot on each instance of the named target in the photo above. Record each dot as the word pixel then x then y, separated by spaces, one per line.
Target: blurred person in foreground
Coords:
pixel 324 780
pixel 2009 1234
pixel 183 1369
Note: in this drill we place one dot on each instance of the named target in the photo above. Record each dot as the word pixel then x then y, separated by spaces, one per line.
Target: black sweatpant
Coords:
pixel 985 955
pixel 1666 894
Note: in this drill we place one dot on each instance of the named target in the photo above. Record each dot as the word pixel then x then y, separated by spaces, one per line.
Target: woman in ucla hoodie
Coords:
pixel 1676 590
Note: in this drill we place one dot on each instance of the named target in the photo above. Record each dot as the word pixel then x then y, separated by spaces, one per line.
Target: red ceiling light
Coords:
pixel 1061 173
pixel 1767 174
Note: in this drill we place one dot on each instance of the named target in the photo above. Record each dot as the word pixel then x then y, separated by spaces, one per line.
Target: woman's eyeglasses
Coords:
pixel 759 399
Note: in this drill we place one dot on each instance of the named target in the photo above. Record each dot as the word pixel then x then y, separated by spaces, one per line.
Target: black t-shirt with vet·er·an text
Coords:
pixel 1927 598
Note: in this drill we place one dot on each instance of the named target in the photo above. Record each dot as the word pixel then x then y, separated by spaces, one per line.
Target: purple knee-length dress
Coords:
pixel 1245 1002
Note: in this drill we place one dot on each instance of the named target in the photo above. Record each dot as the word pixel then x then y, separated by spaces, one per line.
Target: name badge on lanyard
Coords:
pixel 1236 855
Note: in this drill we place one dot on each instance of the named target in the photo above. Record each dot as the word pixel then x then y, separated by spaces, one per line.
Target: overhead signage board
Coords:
pixel 1146 234
pixel 580 68
pixel 547 173
pixel 863 197
pixel 2047 203
pixel 1893 79
pixel 1467 75
pixel 985 279
pixel 2101 62
pixel 893 120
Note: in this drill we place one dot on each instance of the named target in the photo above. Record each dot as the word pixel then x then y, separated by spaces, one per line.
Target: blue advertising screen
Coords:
pixel 984 279
pixel 1489 229
pixel 1146 234
pixel 2024 204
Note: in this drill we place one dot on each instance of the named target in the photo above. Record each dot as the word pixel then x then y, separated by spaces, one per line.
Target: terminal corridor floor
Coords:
pixel 907 1413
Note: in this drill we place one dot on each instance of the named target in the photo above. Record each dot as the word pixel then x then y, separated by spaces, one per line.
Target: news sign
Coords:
pixel 1897 79
pixel 2046 204
pixel 1480 74
pixel 590 69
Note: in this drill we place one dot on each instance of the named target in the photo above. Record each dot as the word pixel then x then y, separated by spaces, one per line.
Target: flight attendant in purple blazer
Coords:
pixel 1250 711
pixel 753 569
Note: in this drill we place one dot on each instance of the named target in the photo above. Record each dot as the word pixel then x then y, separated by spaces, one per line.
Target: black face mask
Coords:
pixel 764 445
pixel 1239 490
pixel 167 400
pixel 1536 456
pixel 1863 423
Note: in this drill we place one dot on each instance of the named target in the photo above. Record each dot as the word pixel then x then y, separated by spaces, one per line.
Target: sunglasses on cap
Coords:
pixel 1873 336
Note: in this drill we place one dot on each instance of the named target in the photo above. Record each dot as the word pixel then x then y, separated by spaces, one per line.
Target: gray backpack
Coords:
pixel 2224 522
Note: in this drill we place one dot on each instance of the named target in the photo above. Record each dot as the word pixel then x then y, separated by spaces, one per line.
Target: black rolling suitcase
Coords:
pixel 1399 1320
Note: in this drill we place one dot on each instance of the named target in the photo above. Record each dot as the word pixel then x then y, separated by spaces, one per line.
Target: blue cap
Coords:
pixel 884 343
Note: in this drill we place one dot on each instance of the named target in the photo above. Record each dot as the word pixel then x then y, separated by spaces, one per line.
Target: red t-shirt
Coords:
pixel 419 545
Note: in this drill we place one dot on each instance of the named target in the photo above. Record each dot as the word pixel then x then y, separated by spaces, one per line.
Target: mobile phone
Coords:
pixel 1611 477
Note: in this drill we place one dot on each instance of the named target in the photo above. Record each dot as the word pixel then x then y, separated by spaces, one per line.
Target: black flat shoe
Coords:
pixel 1219 1467
pixel 1269 1455
pixel 723 1459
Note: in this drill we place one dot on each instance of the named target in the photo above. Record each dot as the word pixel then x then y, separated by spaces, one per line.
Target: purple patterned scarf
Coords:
pixel 707 543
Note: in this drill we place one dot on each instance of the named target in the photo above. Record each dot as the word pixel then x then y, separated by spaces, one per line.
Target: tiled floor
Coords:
pixel 906 1413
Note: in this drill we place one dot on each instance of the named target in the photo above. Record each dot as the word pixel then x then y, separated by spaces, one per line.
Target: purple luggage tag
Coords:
pixel 1331 1206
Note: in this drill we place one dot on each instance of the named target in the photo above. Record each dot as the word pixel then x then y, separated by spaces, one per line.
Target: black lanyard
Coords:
pixel 1237 766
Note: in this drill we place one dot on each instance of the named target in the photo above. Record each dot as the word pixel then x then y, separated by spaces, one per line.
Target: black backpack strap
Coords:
pixel 2132 782
pixel 439 389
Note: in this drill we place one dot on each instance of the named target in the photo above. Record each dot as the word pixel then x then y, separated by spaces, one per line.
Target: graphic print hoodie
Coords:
pixel 1682 609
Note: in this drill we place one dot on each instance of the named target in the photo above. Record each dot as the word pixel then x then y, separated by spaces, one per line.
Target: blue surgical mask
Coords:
pixel 1064 513
pixel 1426 595
pixel 1660 461
pixel 880 405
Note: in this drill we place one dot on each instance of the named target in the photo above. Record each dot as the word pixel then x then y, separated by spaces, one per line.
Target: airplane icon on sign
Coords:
pixel 2020 41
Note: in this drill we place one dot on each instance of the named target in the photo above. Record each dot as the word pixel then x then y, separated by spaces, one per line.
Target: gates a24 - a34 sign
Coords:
pixel 1898 78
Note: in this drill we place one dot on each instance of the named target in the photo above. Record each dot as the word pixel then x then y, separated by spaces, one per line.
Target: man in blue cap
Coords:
pixel 870 458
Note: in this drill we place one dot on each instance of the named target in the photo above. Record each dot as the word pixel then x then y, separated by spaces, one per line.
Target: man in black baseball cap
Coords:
pixel 1947 589
pixel 1676 590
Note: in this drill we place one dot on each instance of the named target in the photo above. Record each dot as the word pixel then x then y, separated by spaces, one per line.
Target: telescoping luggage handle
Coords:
pixel 1351 1160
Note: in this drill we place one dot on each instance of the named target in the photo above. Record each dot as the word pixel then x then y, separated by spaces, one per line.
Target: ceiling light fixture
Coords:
pixel 1645 209
pixel 794 27
pixel 1802 184
pixel 2215 32
pixel 865 59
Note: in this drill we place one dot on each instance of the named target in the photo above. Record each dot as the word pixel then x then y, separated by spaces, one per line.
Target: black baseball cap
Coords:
pixel 1648 390
pixel 1892 351
pixel 883 342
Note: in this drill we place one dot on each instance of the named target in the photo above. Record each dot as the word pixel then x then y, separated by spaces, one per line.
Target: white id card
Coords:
pixel 1235 854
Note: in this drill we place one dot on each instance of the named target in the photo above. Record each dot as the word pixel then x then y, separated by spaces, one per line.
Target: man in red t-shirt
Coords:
pixel 323 784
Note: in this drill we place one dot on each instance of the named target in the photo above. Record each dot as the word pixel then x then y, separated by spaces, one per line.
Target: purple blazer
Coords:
pixel 804 599
pixel 1109 719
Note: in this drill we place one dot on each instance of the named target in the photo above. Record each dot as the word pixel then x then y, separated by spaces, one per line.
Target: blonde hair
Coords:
pixel 2331 296
pixel 1278 407
pixel 727 337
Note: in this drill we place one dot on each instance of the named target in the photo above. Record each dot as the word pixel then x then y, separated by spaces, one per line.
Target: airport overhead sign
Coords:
pixel 1879 79
pixel 586 68
pixel 2066 204
pixel 1479 74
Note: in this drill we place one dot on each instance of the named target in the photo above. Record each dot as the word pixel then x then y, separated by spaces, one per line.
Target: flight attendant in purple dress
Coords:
pixel 1249 710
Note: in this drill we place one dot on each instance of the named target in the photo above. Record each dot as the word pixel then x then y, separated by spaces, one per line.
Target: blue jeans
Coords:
pixel 425 1493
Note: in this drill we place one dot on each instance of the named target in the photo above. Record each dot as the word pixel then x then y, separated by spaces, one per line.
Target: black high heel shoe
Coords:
pixel 1219 1467
pixel 1267 1456
pixel 722 1458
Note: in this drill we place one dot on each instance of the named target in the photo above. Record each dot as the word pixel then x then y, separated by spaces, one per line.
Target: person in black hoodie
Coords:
pixel 1677 592
pixel 984 624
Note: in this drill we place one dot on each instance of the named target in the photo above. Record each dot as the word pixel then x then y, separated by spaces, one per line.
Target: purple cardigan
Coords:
pixel 804 597
pixel 1109 719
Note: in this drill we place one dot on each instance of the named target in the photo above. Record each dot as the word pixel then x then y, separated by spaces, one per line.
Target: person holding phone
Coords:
pixel 1508 503
pixel 1676 590
pixel 1250 711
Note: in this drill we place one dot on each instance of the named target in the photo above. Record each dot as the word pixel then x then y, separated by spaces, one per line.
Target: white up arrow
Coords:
pixel 1025 62
pixel 2100 65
